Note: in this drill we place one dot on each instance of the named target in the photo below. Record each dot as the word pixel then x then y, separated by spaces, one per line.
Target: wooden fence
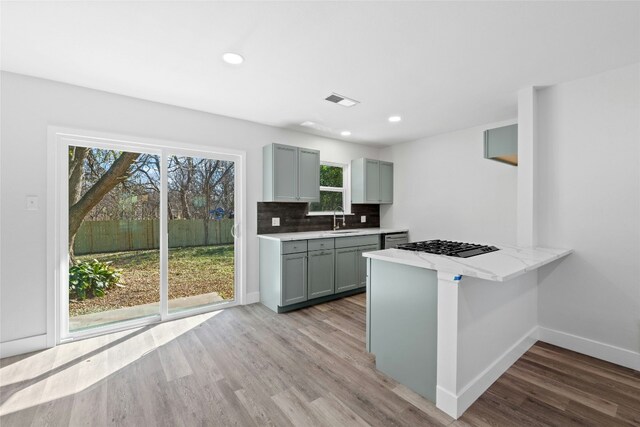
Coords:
pixel 117 236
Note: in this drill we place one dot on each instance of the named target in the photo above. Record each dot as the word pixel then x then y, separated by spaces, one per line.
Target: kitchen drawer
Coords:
pixel 294 247
pixel 319 244
pixel 347 242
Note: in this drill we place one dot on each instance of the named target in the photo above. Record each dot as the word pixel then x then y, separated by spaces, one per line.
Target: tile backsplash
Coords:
pixel 294 218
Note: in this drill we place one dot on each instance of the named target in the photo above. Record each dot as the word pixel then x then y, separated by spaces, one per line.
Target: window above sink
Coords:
pixel 334 190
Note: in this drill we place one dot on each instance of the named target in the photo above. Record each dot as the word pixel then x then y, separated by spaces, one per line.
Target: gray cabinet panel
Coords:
pixel 362 264
pixel 290 174
pixel 386 182
pixel 294 247
pixel 294 278
pixel 349 242
pixel 321 273
pixel 318 244
pixel 372 181
pixel 403 324
pixel 308 175
pixel 285 173
pixel 501 144
pixel 346 269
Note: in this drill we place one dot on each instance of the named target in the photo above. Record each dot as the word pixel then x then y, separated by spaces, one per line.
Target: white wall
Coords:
pixel 589 200
pixel 29 105
pixel 445 188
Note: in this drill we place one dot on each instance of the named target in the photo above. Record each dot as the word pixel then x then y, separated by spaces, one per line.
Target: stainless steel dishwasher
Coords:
pixel 392 240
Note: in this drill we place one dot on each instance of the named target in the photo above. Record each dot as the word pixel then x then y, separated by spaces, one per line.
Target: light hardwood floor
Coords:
pixel 247 366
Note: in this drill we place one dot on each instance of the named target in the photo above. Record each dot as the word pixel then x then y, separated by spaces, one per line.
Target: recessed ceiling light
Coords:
pixel 345 133
pixel 307 123
pixel 394 119
pixel 232 58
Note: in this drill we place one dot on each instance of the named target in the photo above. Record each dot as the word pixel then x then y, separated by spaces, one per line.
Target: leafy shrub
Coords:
pixel 88 279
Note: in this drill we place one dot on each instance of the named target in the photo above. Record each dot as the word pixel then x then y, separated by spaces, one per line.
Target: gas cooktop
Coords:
pixel 448 248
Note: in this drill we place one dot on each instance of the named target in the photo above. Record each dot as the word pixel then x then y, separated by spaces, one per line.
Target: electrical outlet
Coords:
pixel 275 222
pixel 363 218
pixel 32 203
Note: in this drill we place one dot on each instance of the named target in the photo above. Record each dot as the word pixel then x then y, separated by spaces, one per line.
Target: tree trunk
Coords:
pixel 76 172
pixel 207 208
pixel 117 173
pixel 76 178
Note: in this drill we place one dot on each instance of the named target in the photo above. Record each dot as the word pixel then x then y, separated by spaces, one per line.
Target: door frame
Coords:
pixel 59 139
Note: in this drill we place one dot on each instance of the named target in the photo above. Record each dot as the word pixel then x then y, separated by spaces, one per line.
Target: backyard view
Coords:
pixel 331 189
pixel 193 274
pixel 114 223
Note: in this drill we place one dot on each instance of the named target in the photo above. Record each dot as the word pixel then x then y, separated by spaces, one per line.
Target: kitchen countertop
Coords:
pixel 309 235
pixel 500 266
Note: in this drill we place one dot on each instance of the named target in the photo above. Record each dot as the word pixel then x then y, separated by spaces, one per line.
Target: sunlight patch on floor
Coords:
pixel 72 367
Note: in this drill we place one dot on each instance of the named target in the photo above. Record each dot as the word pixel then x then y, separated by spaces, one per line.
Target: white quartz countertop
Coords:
pixel 308 235
pixel 500 266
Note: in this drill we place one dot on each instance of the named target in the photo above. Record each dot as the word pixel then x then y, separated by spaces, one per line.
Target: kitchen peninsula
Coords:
pixel 448 327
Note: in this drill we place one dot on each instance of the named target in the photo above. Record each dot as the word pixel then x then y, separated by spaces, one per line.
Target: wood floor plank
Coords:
pixel 337 413
pixel 263 412
pixel 296 408
pixel 174 363
pixel 573 394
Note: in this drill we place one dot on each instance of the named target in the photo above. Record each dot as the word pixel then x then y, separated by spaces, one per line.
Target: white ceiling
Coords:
pixel 440 65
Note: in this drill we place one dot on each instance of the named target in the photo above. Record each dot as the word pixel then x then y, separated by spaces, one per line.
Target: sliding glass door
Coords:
pixel 201 222
pixel 114 256
pixel 150 234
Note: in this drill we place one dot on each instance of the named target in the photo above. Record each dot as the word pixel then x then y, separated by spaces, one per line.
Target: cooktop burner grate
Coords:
pixel 449 248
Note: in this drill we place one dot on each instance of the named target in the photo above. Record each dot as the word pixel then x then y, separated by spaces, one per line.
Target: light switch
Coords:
pixel 275 222
pixel 363 218
pixel 32 203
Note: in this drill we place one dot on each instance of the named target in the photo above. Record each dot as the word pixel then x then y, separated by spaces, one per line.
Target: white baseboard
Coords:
pixel 23 345
pixel 252 297
pixel 455 405
pixel 447 402
pixel 599 350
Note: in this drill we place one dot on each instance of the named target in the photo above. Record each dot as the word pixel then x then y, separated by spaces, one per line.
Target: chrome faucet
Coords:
pixel 336 226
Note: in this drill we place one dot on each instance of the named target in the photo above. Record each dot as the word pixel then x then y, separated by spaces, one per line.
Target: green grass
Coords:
pixel 192 271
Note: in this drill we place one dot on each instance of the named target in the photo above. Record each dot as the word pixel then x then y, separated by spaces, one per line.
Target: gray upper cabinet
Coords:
pixel 285 173
pixel 371 181
pixel 321 276
pixel 294 278
pixel 290 174
pixel 501 144
pixel 386 182
pixel 308 175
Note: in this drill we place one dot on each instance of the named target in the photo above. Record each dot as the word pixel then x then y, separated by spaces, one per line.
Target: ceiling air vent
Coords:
pixel 341 100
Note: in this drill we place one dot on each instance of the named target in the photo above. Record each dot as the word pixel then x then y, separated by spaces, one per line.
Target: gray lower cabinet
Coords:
pixel 362 264
pixel 351 267
pixel 346 269
pixel 294 278
pixel 299 271
pixel 320 276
